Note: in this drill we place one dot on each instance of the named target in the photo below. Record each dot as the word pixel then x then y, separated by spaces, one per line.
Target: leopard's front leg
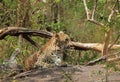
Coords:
pixel 42 64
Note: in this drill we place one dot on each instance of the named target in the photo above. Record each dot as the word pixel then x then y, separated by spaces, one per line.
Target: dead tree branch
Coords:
pixel 114 41
pixel 31 41
pixel 12 61
pixel 103 58
pixel 15 31
pixel 25 33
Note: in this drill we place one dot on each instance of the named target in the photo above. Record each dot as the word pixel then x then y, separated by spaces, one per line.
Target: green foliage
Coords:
pixel 10 3
pixel 88 56
pixel 57 1
pixel 8 46
pixel 8 13
pixel 112 66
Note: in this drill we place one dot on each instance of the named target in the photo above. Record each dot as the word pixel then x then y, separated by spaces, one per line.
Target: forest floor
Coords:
pixel 96 73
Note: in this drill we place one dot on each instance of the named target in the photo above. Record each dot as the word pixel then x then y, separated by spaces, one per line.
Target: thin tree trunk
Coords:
pixel 19 20
pixel 106 43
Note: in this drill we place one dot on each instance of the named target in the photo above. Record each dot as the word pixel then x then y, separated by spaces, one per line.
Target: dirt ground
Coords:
pixel 96 73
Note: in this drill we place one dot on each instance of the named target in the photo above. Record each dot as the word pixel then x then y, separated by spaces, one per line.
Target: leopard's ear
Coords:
pixel 59 34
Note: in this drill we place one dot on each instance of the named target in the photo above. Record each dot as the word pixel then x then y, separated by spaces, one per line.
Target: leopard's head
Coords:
pixel 62 39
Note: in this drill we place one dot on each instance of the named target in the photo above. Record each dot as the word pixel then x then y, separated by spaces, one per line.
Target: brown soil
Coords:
pixel 96 73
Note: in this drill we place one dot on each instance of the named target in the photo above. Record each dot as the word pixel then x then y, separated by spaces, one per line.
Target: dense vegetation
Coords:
pixel 55 15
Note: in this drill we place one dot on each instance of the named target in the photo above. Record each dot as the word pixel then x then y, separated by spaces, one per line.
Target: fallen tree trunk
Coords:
pixel 90 46
pixel 15 31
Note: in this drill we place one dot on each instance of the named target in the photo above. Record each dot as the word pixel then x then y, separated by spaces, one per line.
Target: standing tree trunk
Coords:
pixel 106 43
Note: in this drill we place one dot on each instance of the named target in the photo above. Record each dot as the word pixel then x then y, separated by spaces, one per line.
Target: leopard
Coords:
pixel 51 54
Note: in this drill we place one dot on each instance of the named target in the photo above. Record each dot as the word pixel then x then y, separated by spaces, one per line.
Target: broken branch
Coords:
pixel 103 58
pixel 15 31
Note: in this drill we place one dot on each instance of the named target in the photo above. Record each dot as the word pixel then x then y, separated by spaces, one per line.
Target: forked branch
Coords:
pixel 91 17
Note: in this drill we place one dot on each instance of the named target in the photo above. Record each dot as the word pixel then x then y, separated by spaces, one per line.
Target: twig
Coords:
pixel 118 6
pixel 112 12
pixel 31 41
pixel 96 22
pixel 86 9
pixel 94 9
pixel 114 42
pixel 23 74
